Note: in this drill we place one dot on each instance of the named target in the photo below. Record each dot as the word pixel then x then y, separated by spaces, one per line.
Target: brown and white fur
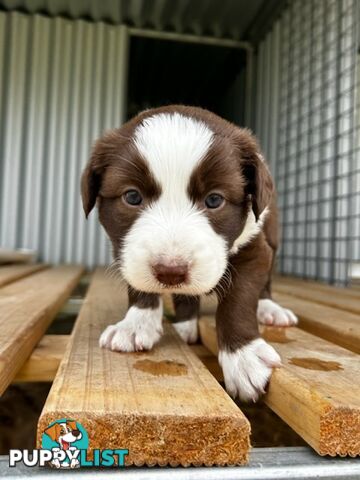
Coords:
pixel 175 157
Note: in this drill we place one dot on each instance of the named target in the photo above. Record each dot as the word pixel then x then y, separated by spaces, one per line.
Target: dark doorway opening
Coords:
pixel 162 72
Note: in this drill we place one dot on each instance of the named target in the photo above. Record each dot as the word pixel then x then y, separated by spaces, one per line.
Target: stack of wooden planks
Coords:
pixel 27 308
pixel 317 392
pixel 165 406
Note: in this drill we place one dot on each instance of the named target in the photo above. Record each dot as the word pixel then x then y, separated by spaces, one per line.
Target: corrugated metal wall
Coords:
pixel 305 110
pixel 62 83
pixel 227 19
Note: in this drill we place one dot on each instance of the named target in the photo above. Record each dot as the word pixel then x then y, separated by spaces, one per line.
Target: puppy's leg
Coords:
pixel 268 311
pixel 140 329
pixel 246 359
pixel 271 313
pixel 186 317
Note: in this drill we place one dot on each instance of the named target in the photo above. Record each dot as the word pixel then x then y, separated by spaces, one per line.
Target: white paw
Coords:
pixel 140 330
pixel 271 313
pixel 248 369
pixel 188 330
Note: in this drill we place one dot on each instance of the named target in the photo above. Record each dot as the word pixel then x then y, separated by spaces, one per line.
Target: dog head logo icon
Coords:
pixel 65 438
pixel 64 433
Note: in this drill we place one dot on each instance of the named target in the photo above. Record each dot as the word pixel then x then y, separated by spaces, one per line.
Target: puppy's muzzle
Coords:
pixel 171 275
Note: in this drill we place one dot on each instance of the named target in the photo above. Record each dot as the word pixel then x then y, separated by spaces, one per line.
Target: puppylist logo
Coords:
pixel 64 444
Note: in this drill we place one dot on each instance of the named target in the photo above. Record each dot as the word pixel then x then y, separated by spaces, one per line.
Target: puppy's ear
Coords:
pixel 258 182
pixel 91 177
pixel 90 186
pixel 53 431
pixel 72 424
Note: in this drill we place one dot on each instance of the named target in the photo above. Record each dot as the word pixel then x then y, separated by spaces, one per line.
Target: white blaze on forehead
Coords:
pixel 173 145
pixel 172 227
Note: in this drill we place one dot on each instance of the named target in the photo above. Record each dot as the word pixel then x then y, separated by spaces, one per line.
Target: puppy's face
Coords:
pixel 173 195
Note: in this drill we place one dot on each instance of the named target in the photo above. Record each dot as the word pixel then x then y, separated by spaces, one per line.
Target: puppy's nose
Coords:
pixel 76 433
pixel 170 274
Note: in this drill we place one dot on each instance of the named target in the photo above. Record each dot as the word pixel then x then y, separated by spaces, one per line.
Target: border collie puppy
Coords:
pixel 189 205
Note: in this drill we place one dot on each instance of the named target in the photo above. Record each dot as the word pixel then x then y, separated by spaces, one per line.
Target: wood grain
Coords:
pixel 44 361
pixel 209 360
pixel 336 326
pixel 316 392
pixel 329 296
pixel 27 307
pixel 314 285
pixel 163 405
pixel 11 273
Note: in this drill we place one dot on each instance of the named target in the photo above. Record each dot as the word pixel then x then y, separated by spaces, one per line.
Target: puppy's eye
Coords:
pixel 214 200
pixel 132 197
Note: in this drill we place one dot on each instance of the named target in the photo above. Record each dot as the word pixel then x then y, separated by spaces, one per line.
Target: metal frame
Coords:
pixel 188 38
pixel 313 153
pixel 292 463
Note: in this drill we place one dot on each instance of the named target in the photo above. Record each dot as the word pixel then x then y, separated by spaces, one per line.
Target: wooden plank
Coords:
pixel 27 307
pixel 17 256
pixel 209 360
pixel 44 361
pixel 316 391
pixel 168 305
pixel 313 285
pixel 11 273
pixel 207 332
pixel 208 304
pixel 72 306
pixel 163 405
pixel 336 326
pixel 342 300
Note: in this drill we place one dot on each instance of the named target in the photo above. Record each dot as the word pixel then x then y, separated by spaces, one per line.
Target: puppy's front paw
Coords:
pixel 247 370
pixel 271 313
pixel 188 330
pixel 140 330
